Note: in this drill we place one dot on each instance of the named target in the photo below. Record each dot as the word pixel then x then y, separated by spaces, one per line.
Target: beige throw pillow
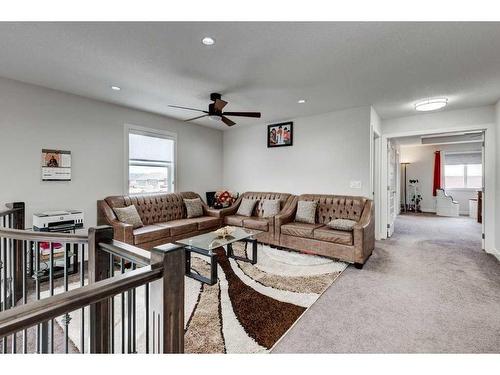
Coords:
pixel 342 224
pixel 129 215
pixel 271 207
pixel 246 207
pixel 194 207
pixel 306 212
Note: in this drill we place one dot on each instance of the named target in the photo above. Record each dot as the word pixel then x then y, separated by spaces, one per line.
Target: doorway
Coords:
pixel 461 178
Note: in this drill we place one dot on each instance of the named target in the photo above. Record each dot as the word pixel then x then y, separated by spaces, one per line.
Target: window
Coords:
pixel 151 163
pixel 463 171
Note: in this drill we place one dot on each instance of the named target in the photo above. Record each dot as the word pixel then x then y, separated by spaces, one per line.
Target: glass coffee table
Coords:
pixel 204 244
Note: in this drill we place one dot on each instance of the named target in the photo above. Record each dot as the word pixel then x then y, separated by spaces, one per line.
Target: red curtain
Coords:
pixel 437 172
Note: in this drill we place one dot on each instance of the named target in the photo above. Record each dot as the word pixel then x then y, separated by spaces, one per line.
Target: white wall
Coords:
pixel 422 168
pixel 478 118
pixel 32 118
pixel 329 151
pixel 497 227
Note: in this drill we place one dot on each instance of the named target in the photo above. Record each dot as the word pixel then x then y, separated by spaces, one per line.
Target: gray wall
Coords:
pixel 32 118
pixel 329 151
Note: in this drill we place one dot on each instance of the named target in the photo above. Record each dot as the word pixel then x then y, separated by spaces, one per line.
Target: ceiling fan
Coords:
pixel 215 111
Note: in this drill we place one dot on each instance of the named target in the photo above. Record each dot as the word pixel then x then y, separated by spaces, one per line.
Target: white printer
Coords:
pixel 58 221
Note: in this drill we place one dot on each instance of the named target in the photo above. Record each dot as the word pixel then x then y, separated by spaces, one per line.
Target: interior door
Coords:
pixel 391 187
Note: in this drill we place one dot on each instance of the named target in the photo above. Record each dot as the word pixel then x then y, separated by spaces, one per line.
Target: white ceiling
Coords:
pixel 257 66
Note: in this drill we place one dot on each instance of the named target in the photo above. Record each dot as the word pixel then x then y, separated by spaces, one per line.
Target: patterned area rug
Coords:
pixel 247 311
pixel 253 306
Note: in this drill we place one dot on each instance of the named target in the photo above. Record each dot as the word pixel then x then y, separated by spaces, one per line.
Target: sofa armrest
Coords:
pixel 212 212
pixel 364 234
pixel 231 210
pixel 286 215
pixel 123 232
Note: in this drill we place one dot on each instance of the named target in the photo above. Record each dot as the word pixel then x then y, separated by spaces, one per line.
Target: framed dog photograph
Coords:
pixel 279 135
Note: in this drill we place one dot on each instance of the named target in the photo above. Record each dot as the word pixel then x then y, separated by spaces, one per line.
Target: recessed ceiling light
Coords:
pixel 431 104
pixel 116 88
pixel 301 101
pixel 208 41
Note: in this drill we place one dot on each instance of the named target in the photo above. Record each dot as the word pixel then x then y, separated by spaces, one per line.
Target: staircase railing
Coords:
pixel 127 300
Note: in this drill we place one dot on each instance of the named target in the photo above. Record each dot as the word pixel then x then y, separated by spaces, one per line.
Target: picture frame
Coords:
pixel 280 135
pixel 56 165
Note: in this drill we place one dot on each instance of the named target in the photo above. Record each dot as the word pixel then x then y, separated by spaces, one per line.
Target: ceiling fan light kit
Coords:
pixel 215 111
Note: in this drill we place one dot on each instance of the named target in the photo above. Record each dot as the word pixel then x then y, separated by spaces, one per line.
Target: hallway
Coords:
pixel 430 288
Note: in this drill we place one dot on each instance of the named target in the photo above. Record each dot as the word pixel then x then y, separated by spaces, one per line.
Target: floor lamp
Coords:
pixel 406 205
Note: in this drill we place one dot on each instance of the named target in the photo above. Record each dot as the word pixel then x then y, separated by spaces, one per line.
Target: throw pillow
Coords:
pixel 306 212
pixel 246 207
pixel 129 215
pixel 271 207
pixel 194 207
pixel 342 224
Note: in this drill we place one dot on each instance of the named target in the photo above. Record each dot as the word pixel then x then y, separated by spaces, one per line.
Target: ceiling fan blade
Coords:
pixel 195 118
pixel 242 114
pixel 191 109
pixel 227 121
pixel 219 104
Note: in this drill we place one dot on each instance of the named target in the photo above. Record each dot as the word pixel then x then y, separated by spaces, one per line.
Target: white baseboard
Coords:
pixel 433 211
pixel 494 252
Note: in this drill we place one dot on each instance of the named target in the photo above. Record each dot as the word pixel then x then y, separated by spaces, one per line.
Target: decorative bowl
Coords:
pixel 224 232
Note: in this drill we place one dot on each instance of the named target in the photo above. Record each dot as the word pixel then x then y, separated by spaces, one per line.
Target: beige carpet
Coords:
pixel 428 289
pixel 247 311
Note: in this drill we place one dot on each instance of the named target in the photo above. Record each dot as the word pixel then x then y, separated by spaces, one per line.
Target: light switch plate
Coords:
pixel 355 184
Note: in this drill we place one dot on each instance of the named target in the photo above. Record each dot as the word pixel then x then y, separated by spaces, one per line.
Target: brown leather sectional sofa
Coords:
pixel 164 218
pixel 351 246
pixel 257 221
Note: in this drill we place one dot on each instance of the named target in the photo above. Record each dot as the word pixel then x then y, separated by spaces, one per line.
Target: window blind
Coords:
pixel 465 158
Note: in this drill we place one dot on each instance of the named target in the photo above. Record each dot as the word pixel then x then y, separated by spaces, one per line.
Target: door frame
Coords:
pixel 489 176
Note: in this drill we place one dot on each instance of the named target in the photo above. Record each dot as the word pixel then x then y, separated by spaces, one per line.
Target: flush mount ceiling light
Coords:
pixel 431 104
pixel 208 41
pixel 116 88
pixel 301 101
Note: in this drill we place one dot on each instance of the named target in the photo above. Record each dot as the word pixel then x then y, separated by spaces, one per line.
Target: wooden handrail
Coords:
pixel 127 252
pixel 25 316
pixel 19 234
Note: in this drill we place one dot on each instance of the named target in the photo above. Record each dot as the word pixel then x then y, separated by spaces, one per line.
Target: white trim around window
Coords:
pixel 135 129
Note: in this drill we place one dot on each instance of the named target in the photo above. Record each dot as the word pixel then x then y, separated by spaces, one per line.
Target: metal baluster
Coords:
pixel 122 270
pixel 51 288
pixel 112 304
pixel 134 314
pixel 82 283
pixel 67 317
pixel 37 276
pixel 13 277
pixel 154 334
pixel 26 245
pixel 147 317
pixel 129 321
pixel 5 265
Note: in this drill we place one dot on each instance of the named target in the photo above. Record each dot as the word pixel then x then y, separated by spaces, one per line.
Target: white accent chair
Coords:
pixel 445 205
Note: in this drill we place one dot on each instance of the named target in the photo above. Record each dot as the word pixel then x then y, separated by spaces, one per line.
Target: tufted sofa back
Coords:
pixel 261 196
pixel 152 208
pixel 332 207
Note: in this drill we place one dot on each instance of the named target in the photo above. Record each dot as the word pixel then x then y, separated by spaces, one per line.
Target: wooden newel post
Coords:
pixel 166 323
pixel 99 269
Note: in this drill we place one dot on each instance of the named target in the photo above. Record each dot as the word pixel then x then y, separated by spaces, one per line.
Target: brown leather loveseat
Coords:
pixel 163 215
pixel 352 246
